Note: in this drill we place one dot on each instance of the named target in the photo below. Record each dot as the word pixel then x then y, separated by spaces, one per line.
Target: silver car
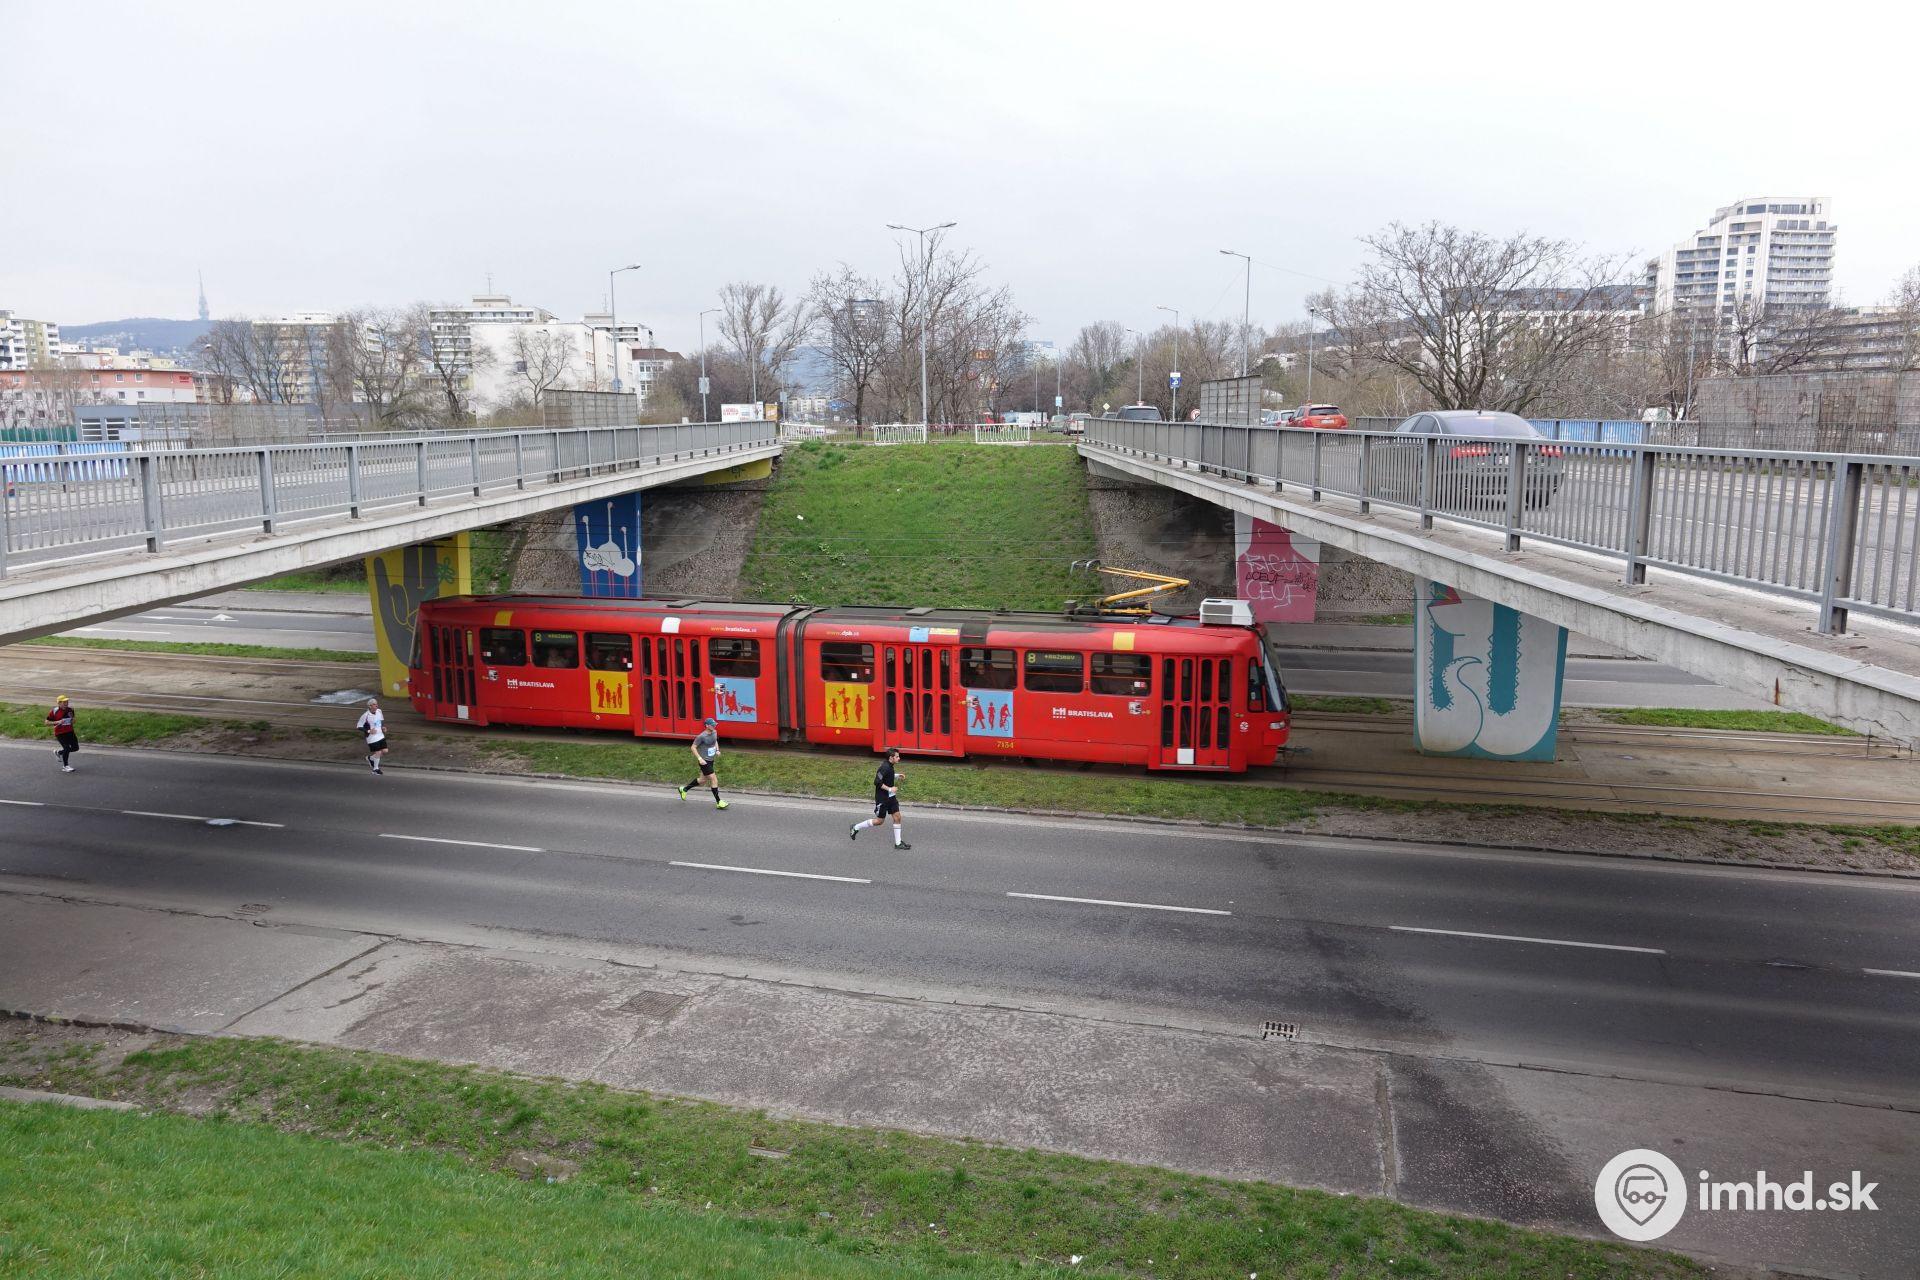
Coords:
pixel 1471 463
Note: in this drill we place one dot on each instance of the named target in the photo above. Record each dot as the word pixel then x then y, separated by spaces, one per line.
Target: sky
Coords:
pixel 1096 156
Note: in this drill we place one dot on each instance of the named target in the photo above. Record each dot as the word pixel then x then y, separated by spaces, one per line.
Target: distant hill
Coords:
pixel 144 333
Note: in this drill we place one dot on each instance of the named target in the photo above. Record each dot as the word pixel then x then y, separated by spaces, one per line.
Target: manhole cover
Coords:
pixel 343 698
pixel 1280 1031
pixel 654 1004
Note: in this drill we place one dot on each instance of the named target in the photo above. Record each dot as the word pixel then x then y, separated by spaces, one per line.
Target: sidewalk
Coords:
pixel 1498 1140
pixel 282 602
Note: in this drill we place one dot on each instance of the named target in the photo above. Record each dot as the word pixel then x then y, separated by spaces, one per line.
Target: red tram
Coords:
pixel 1173 693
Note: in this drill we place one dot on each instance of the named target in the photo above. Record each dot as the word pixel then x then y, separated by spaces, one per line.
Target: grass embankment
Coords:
pixel 1745 721
pixel 963 525
pixel 493 551
pixel 208 649
pixel 655 1188
pixel 1343 704
pixel 98 724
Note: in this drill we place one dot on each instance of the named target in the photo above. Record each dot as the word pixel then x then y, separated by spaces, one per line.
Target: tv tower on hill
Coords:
pixel 203 295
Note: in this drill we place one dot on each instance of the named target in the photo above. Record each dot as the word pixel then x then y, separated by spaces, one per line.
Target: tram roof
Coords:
pixel 904 615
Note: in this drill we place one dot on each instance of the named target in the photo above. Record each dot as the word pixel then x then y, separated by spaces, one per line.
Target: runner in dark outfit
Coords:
pixel 705 748
pixel 61 718
pixel 886 800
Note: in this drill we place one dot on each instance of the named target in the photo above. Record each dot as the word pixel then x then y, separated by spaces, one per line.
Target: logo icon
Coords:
pixel 1640 1195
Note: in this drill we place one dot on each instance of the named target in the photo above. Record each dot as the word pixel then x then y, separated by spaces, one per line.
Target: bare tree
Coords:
pixel 258 355
pixel 1905 305
pixel 763 328
pixel 1478 322
pixel 1762 338
pixel 540 358
pixel 375 360
pixel 849 321
pixel 451 370
pixel 1096 359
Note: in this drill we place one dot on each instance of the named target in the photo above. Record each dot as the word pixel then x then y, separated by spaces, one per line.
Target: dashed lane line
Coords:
pixel 195 817
pixel 763 871
pixel 1514 937
pixel 1111 902
pixel 1891 973
pixel 472 844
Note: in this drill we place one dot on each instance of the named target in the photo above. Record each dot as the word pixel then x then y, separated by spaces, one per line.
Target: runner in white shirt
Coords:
pixel 373 723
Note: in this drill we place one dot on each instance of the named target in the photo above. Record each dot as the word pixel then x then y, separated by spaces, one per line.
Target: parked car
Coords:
pixel 1077 423
pixel 1471 462
pixel 1139 413
pixel 1324 417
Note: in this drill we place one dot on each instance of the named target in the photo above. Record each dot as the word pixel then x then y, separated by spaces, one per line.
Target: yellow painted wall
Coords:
pixel 397 581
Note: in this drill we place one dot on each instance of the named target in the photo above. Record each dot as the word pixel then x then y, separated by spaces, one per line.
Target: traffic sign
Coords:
pixel 705 386
pixel 1058 402
pixel 1173 379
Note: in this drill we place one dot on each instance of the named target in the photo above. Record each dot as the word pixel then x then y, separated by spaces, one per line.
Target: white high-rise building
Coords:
pixel 27 344
pixel 453 326
pixel 1766 251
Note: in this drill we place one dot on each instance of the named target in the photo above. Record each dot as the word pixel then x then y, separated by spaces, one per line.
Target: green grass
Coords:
pixel 346 579
pixel 1349 705
pixel 165 1190
pixel 132 1197
pixel 1386 620
pixel 962 525
pixel 1747 721
pixel 283 652
pixel 98 724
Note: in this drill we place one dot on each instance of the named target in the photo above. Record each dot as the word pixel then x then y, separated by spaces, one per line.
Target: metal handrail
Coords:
pixel 1840 530
pixel 66 506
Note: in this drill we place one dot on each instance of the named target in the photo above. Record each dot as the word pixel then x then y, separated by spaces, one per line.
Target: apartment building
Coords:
pixel 25 343
pixel 1766 251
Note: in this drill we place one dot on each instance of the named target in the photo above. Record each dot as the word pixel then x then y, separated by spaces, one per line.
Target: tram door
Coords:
pixel 671 680
pixel 921 706
pixel 449 652
pixel 1196 711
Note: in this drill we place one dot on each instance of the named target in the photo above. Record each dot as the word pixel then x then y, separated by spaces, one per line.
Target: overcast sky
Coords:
pixel 1096 156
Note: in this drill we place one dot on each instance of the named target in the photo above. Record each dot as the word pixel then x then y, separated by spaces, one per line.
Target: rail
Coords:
pixel 1841 531
pixel 62 506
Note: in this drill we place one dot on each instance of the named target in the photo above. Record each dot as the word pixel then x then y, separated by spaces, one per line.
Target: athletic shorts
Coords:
pixel 706 768
pixel 881 808
pixel 378 744
pixel 68 742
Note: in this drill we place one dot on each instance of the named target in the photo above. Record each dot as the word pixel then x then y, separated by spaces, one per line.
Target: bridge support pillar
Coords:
pixel 1275 570
pixel 1487 677
pixel 397 582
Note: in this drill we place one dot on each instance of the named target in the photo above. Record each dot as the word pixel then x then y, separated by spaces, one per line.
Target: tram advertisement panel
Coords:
pixel 607 695
pixel 734 698
pixel 990 713
pixel 846 705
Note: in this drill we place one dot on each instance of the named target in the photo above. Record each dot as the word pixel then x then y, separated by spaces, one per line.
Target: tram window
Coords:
pixel 1256 687
pixel 848 663
pixel 732 656
pixel 503 647
pixel 556 649
pixel 609 652
pixel 891 669
pixel 1206 679
pixel 1221 716
pixel 1129 675
pixel 926 668
pixel 1054 672
pixel 986 668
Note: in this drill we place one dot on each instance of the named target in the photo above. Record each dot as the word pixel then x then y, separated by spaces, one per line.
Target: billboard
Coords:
pixel 749 412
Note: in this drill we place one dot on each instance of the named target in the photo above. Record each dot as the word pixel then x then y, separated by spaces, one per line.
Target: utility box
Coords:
pixel 1226 613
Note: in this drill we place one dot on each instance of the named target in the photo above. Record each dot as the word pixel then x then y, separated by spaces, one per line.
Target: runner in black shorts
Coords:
pixel 886 800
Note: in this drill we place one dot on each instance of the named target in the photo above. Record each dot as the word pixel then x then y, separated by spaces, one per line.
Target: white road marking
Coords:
pixel 1109 902
pixel 476 844
pixel 762 871
pixel 1512 937
pixel 1891 973
pixel 25 804
pixel 194 817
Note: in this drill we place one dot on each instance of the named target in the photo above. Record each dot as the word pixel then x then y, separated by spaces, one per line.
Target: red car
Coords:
pixel 1324 417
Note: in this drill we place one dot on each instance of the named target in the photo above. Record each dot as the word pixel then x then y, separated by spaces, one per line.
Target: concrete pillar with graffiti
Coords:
pixel 1275 570
pixel 607 540
pixel 1486 677
pixel 397 582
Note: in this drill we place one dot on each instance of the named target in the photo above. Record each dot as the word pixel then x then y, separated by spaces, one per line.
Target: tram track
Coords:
pixel 1472 782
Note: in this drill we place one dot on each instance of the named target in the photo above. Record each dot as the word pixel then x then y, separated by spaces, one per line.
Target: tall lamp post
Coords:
pixel 1313 313
pixel 710 311
pixel 926 273
pixel 1174 416
pixel 1246 314
pixel 613 314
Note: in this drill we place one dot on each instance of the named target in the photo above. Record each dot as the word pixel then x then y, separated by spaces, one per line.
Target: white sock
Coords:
pixel 896 836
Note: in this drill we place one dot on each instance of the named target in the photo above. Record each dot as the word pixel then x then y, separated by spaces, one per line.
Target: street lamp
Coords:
pixel 1246 313
pixel 1312 312
pixel 926 272
pixel 710 311
pixel 1174 416
pixel 613 314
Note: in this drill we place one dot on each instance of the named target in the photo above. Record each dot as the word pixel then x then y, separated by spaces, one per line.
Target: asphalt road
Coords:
pixel 1387 673
pixel 1794 983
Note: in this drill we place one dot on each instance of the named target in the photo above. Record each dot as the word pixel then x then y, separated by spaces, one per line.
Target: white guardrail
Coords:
pixel 60 507
pixel 899 433
pixel 1839 530
pixel 1002 433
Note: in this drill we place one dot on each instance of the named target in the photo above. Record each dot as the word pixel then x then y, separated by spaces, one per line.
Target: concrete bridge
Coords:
pixel 1791 577
pixel 85 538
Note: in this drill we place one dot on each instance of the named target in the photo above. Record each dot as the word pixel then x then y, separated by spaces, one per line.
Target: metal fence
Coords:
pixel 1839 530
pixel 899 433
pixel 1881 437
pixel 60 507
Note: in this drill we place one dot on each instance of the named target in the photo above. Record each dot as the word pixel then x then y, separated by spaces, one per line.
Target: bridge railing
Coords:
pixel 1839 530
pixel 65 506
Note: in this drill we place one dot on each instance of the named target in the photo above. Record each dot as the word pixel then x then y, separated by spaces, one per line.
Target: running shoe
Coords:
pixel 720 804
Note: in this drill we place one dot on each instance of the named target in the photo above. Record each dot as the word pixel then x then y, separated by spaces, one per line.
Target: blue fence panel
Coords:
pixel 44 463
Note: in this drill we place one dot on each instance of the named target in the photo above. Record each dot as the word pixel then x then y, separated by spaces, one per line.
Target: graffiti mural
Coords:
pixel 1275 571
pixel 1487 678
pixel 990 713
pixel 607 540
pixel 397 581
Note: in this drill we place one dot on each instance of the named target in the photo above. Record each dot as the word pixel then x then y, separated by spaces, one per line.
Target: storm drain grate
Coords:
pixel 1280 1031
pixel 654 1004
